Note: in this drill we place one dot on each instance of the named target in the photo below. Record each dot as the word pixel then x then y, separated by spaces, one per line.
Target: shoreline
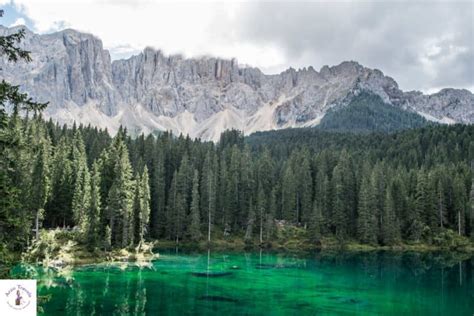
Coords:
pixel 125 256
pixel 71 253
pixel 238 244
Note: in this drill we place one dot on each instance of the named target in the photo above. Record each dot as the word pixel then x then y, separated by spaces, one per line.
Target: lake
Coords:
pixel 265 283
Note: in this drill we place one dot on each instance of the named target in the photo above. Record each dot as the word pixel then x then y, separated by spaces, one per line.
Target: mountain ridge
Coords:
pixel 201 96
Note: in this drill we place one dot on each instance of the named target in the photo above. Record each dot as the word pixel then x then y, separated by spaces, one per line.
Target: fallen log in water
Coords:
pixel 215 298
pixel 211 274
pixel 275 266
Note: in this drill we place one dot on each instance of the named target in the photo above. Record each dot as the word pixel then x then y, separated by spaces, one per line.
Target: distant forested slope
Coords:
pixel 368 113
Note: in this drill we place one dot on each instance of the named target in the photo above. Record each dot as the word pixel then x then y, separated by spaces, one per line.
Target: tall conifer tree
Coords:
pixel 195 225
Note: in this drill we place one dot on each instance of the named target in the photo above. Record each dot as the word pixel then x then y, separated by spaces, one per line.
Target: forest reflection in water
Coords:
pixel 265 283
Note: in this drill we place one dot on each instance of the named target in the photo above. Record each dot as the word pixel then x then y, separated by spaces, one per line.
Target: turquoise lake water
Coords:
pixel 261 283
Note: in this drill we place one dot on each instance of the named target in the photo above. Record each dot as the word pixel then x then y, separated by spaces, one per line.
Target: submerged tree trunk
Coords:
pixel 460 273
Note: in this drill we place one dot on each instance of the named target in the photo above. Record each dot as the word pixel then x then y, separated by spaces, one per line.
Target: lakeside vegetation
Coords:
pixel 293 189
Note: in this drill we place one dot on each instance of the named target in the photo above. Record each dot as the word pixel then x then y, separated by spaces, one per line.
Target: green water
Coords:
pixel 266 284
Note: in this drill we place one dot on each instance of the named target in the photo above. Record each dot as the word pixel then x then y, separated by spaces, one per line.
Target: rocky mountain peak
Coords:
pixel 200 96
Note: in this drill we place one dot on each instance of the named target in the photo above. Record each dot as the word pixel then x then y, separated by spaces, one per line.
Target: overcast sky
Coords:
pixel 423 45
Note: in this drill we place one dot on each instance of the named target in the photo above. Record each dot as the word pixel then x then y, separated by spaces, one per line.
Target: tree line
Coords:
pixel 117 192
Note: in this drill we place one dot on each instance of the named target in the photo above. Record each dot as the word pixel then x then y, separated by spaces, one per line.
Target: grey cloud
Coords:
pixel 394 37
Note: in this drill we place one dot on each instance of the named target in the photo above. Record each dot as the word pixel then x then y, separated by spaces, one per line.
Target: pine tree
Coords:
pixel 315 224
pixel 195 225
pixel 180 216
pixel 171 208
pixel 344 198
pixel 223 198
pixel 208 189
pixel 40 184
pixel 59 206
pixel 340 217
pixel 250 223
pixel 120 199
pixel 460 202
pixel 81 196
pixel 15 216
pixel 420 205
pixel 183 197
pixel 270 219
pixel 145 204
pixel 158 197
pixel 305 187
pixel 261 211
pixel 288 195
pixel 367 221
pixel 441 204
pixel 390 229
pixel 323 197
pixel 136 211
pixel 471 198
pixel 141 207
pixel 378 181
pixel 247 186
pixel 94 216
pixel 108 238
pixel 431 215
pixel 234 187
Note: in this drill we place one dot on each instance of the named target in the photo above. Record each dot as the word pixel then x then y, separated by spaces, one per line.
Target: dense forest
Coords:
pixel 375 189
pixel 367 113
pixel 378 189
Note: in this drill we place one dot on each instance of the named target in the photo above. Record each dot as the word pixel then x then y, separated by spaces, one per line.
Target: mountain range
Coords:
pixel 203 96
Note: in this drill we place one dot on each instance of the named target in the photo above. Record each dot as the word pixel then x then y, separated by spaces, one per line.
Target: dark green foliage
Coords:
pixel 368 113
pixel 315 224
pixel 262 211
pixel 367 229
pixel 349 193
pixel 414 185
pixel 250 227
pixel 158 197
pixel 94 214
pixel 390 228
pixel 460 204
pixel 81 183
pixel 15 209
pixel 141 207
pixel 195 225
pixel 120 198
pixel 471 213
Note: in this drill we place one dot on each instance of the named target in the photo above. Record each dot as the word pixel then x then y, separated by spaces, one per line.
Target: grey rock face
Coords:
pixel 67 66
pixel 202 96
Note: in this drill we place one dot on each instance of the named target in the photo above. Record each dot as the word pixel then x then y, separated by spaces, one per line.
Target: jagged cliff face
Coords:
pixel 200 97
pixel 67 67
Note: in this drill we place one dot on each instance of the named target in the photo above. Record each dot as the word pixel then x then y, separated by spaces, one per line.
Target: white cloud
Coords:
pixel 407 41
pixel 19 21
pixel 173 27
